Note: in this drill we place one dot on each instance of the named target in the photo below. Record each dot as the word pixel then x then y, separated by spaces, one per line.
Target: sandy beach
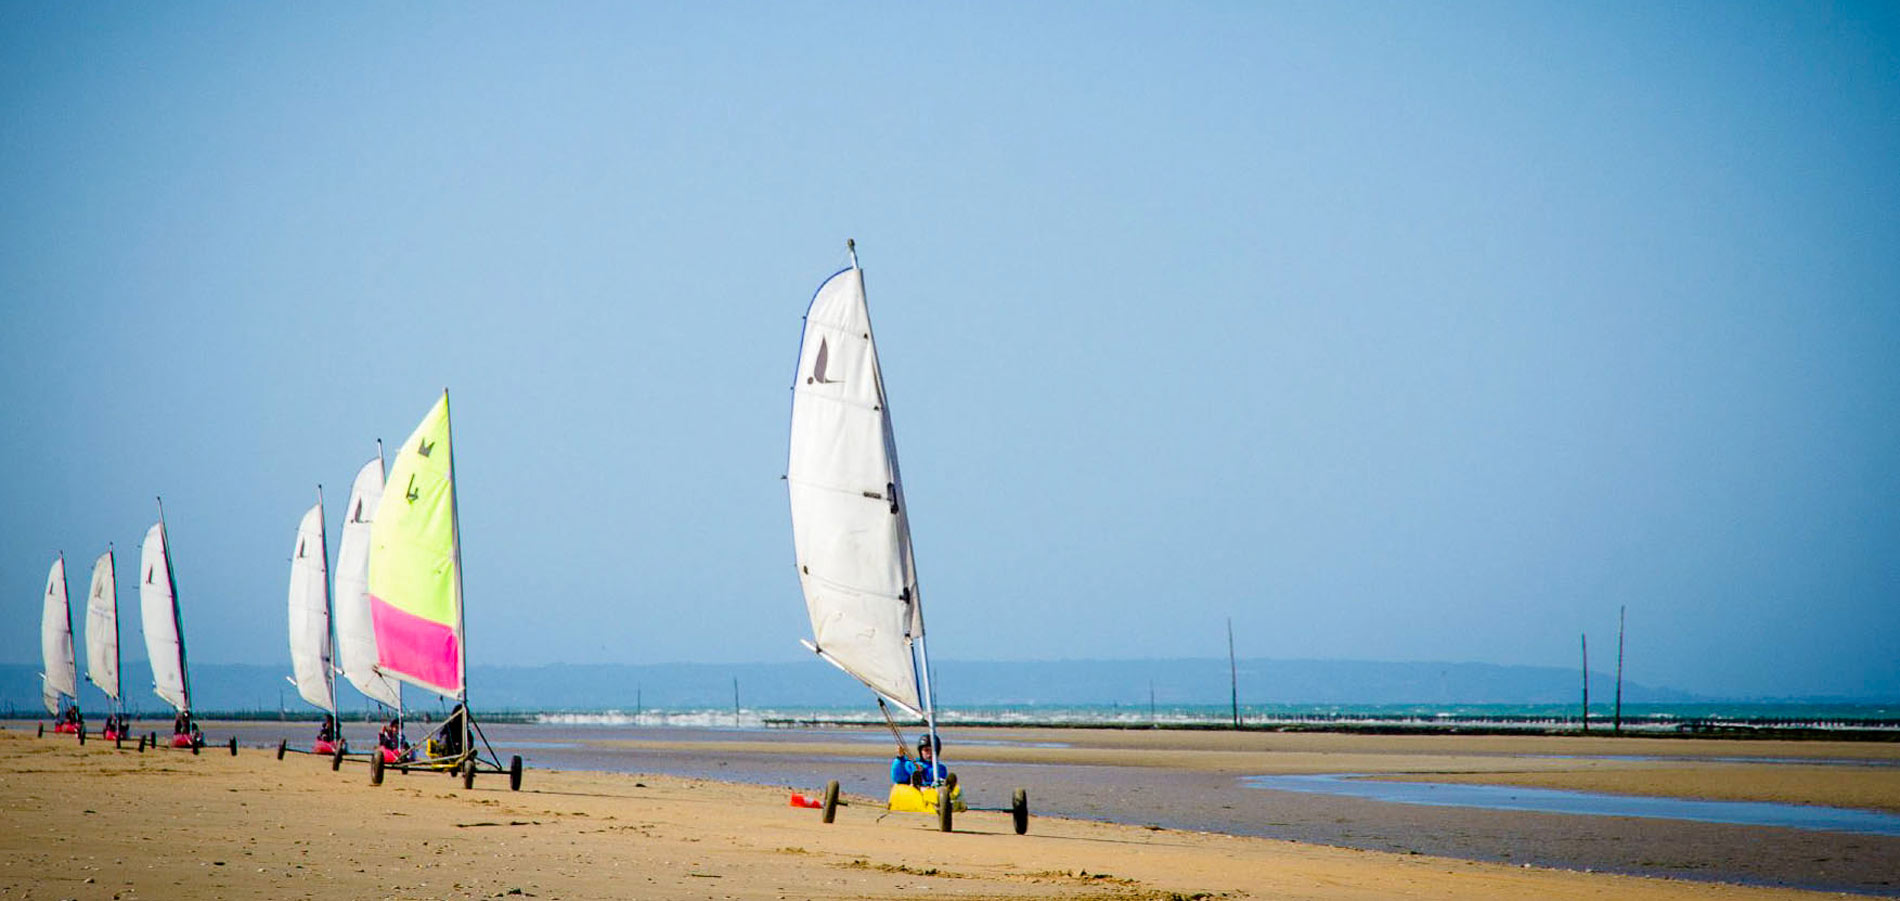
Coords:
pixel 93 822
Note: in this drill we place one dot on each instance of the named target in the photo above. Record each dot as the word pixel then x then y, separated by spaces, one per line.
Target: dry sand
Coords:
pixel 93 823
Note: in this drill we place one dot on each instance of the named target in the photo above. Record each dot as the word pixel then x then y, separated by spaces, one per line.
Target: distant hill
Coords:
pixel 960 684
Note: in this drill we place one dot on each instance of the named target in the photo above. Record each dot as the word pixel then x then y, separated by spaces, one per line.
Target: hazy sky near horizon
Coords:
pixel 1392 331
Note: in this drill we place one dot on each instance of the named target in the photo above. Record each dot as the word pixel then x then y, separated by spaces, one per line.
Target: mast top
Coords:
pixel 851 246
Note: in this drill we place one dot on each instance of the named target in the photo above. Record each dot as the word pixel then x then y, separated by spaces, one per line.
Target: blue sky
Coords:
pixel 1392 331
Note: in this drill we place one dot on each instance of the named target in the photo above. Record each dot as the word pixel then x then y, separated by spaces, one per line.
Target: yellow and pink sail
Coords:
pixel 415 584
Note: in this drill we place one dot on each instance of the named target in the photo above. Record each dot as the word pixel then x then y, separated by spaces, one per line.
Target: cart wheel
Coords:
pixel 514 774
pixel 376 767
pixel 831 800
pixel 141 744
pixel 468 774
pixel 82 736
pixel 283 744
pixel 42 731
pixel 945 808
pixel 118 741
pixel 195 746
pixel 233 746
pixel 1019 811
pixel 151 738
pixel 336 759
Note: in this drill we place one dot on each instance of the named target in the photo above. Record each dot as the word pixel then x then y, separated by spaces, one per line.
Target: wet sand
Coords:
pixel 168 824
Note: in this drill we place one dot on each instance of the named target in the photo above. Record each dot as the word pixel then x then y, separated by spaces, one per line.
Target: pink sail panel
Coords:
pixel 428 650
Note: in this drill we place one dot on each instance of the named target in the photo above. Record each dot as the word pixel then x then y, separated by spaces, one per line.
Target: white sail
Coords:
pixel 158 612
pixel 355 634
pixel 102 627
pixel 56 638
pixel 310 613
pixel 850 528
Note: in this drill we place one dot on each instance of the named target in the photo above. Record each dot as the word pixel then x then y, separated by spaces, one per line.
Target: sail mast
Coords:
pixel 329 605
pixel 118 656
pixel 382 469
pixel 455 557
pixel 178 618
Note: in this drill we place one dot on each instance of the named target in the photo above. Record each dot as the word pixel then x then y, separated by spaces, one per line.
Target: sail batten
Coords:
pixel 414 584
pixel 850 526
pixel 102 626
pixel 158 613
pixel 355 631
pixel 56 640
pixel 310 647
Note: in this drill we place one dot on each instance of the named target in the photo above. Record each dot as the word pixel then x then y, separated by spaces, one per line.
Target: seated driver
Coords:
pixel 923 771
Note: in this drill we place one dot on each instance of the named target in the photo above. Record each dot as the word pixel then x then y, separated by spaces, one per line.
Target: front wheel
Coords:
pixel 1019 811
pixel 468 774
pixel 283 745
pixel 233 746
pixel 336 759
pixel 831 800
pixel 376 767
pixel 514 774
pixel 946 808
pixel 82 736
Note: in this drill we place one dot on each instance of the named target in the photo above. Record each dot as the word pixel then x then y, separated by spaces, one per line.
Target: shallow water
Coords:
pixel 1545 800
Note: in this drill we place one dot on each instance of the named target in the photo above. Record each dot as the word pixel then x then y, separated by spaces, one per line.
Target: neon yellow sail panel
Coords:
pixel 414 592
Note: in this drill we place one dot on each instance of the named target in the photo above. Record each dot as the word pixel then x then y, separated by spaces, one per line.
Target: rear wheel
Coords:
pixel 233 746
pixel 831 800
pixel 82 736
pixel 468 774
pixel 42 731
pixel 514 774
pixel 283 744
pixel 336 759
pixel 1019 811
pixel 141 744
pixel 376 767
pixel 945 808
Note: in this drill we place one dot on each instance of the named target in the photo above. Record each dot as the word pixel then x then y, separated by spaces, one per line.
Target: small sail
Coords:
pixel 414 589
pixel 56 637
pixel 102 627
pixel 310 652
pixel 355 633
pixel 850 529
pixel 158 612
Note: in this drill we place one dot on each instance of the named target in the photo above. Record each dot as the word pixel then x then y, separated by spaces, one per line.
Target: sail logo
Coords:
pixel 818 366
pixel 412 494
pixel 424 448
pixel 148 575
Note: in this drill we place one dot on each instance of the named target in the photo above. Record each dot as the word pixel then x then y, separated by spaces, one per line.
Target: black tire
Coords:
pixel 283 744
pixel 831 800
pixel 196 747
pixel 376 767
pixel 336 759
pixel 118 741
pixel 233 746
pixel 1019 811
pixel 514 774
pixel 42 731
pixel 141 744
pixel 468 774
pixel 946 811
pixel 82 736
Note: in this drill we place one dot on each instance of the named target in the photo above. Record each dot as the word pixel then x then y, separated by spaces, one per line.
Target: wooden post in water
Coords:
pixel 1233 671
pixel 1586 682
pixel 1617 723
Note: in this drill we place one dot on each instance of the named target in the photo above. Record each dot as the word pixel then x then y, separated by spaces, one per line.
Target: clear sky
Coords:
pixel 1393 331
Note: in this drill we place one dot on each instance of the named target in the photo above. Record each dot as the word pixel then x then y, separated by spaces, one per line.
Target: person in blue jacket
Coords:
pixel 923 771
